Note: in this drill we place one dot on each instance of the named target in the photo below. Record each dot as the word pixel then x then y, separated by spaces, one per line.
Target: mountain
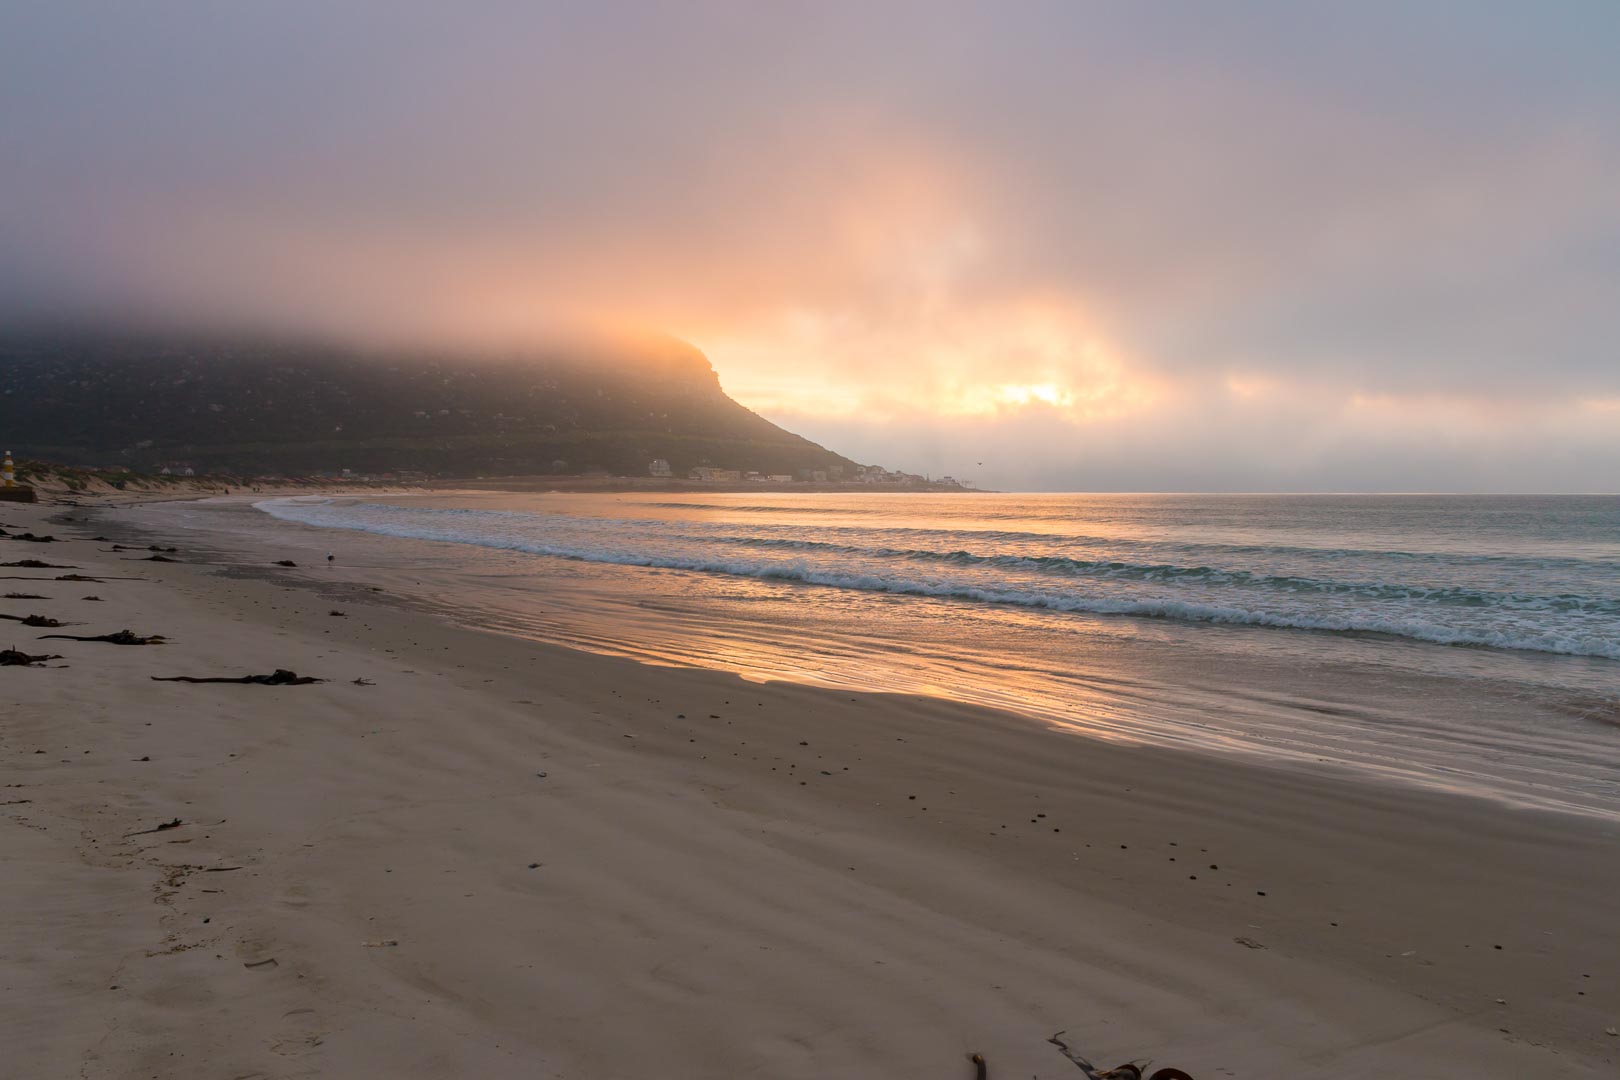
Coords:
pixel 278 407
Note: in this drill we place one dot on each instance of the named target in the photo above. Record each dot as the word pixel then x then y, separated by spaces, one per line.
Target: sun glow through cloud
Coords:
pixel 1245 264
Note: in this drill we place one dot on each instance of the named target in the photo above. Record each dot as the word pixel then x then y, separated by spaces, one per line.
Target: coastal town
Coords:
pixel 660 468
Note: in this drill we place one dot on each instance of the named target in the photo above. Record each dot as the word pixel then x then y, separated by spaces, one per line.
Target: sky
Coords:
pixel 1250 246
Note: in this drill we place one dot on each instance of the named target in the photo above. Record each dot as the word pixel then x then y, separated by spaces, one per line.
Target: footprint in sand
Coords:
pixel 300 1032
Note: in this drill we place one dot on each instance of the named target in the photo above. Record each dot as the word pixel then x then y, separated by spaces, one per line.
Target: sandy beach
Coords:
pixel 464 854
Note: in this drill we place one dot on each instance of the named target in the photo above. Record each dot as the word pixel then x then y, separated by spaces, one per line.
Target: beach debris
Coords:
pixel 1128 1071
pixel 155 547
pixel 1248 943
pixel 122 637
pixel 79 577
pixel 35 564
pixel 153 558
pixel 385 943
pixel 97 599
pixel 362 681
pixel 34 620
pixel 14 658
pixel 285 562
pixel 31 538
pixel 174 823
pixel 278 677
pixel 25 596
pixel 270 963
pixel 338 614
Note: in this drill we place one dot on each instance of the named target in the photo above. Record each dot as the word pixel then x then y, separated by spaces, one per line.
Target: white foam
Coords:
pixel 1206 594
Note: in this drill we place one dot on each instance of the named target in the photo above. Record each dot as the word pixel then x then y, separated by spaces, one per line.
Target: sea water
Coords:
pixel 1466 641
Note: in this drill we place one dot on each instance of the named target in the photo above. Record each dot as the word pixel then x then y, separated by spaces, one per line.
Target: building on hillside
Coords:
pixel 659 467
pixel 712 475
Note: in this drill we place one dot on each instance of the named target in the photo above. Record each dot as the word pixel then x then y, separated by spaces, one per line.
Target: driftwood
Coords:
pixel 35 564
pixel 279 677
pixel 122 637
pixel 13 658
pixel 1128 1071
pixel 25 596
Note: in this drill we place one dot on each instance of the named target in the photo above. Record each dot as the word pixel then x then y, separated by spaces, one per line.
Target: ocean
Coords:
pixel 1467 642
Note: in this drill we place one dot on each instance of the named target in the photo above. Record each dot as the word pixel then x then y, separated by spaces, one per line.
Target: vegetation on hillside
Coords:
pixel 263 408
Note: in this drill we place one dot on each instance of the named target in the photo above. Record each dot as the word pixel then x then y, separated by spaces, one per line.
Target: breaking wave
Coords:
pixel 1445 614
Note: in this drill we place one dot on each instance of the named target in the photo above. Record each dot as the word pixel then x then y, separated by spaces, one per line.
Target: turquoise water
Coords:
pixel 1466 641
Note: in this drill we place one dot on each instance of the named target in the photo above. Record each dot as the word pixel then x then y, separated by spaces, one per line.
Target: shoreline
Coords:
pixel 733 878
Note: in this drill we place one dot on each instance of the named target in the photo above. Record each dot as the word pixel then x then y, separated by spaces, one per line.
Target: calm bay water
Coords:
pixel 1472 642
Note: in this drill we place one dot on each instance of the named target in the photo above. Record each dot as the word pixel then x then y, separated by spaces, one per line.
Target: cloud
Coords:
pixel 1252 245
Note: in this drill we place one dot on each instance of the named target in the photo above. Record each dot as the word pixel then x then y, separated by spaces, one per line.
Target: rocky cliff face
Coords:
pixel 278 407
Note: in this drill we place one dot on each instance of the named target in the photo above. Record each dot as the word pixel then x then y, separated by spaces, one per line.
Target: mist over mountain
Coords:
pixel 256 404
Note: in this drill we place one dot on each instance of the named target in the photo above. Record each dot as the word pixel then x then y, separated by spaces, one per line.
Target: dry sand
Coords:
pixel 501 859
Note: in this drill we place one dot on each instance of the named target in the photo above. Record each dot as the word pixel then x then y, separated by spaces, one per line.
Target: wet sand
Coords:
pixel 493 858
